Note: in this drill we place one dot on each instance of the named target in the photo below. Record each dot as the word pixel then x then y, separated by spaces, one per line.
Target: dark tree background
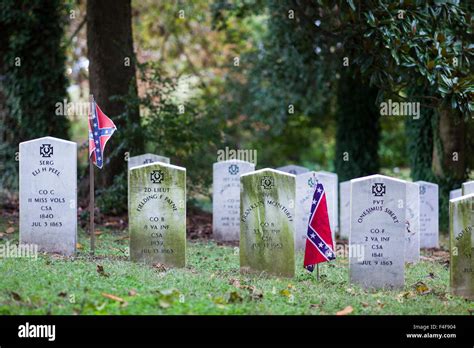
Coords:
pixel 33 77
pixel 112 77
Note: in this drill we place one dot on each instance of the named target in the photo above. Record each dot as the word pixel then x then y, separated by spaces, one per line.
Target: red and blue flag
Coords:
pixel 101 129
pixel 319 243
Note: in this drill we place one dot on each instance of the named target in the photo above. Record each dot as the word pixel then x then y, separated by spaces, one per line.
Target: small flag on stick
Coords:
pixel 101 129
pixel 319 243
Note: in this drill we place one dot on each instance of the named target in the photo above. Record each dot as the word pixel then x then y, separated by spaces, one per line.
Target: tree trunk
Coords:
pixel 112 73
pixel 358 129
pixel 449 156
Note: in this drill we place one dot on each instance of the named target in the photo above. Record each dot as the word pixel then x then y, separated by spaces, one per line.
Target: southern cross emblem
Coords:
pixel 46 150
pixel 422 190
pixel 378 189
pixel 156 176
pixel 267 182
pixel 311 182
pixel 233 169
pixel 148 160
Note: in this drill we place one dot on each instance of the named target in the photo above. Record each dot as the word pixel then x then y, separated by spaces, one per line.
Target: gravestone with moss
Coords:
pixel 267 222
pixel 412 237
pixel 461 235
pixel 48 195
pixel 157 214
pixel 226 198
pixel 377 236
pixel 305 186
pixel 146 159
pixel 429 215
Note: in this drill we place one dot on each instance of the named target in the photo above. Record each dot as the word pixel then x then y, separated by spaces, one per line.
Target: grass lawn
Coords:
pixel 210 284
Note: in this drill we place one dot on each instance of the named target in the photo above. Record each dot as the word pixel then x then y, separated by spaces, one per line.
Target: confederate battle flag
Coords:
pixel 101 129
pixel 319 243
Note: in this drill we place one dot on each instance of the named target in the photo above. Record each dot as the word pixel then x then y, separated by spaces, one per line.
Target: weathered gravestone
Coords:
pixel 344 209
pixel 412 237
pixel 48 194
pixel 226 198
pixel 429 215
pixel 267 222
pixel 305 186
pixel 293 169
pixel 146 159
pixel 467 188
pixel 455 193
pixel 377 236
pixel 330 183
pixel 461 235
pixel 157 214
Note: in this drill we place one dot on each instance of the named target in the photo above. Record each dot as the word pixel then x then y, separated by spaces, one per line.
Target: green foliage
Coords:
pixel 34 61
pixel 281 95
pixel 173 124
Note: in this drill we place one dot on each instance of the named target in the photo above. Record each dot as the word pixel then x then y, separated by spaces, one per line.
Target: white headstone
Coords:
pixel 330 183
pixel 429 215
pixel 412 238
pixel 305 186
pixel 293 169
pixel 146 159
pixel 267 222
pixel 157 214
pixel 455 193
pixel 226 198
pixel 377 236
pixel 344 209
pixel 461 241
pixel 467 188
pixel 48 194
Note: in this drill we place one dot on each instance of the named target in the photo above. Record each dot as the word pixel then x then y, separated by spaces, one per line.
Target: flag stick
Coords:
pixel 91 194
pixel 91 206
pixel 317 271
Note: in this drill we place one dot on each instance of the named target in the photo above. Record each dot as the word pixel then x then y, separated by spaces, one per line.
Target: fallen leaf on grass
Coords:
pixel 234 282
pixel 79 246
pixel 364 304
pixel 403 295
pixel 380 304
pixel 100 270
pixel 98 233
pixel 234 297
pixel 159 267
pixel 15 296
pixel 113 297
pixel 285 292
pixel 132 293
pixel 62 294
pixel 10 230
pixel 345 311
pixel 421 288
